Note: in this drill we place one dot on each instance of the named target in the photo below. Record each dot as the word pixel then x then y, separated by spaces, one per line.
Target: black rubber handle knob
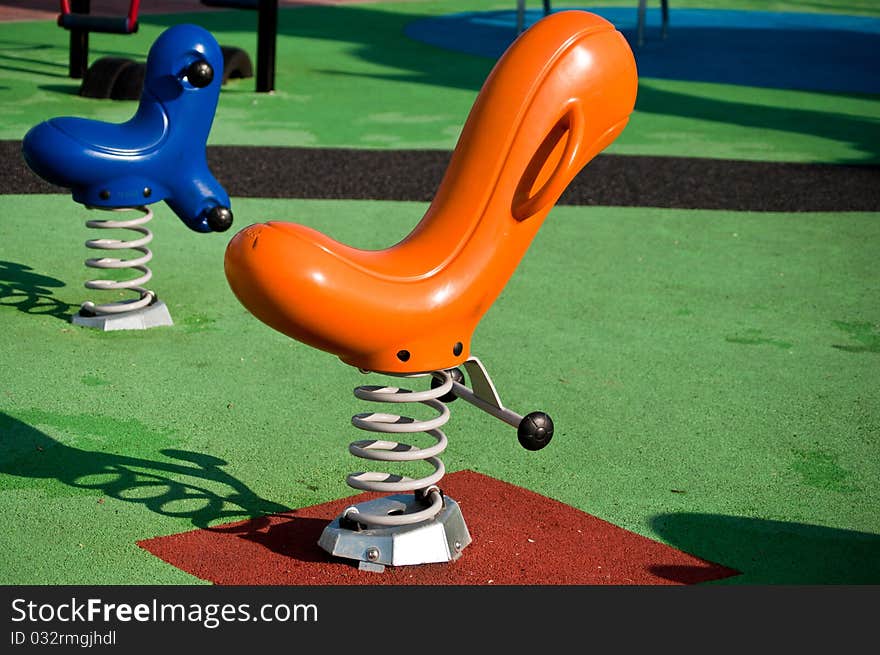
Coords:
pixel 200 74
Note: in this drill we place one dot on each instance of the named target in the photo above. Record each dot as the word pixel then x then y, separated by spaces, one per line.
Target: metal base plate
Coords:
pixel 155 315
pixel 439 540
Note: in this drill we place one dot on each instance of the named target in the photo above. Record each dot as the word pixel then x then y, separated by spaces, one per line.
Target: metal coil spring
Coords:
pixel 145 296
pixel 393 451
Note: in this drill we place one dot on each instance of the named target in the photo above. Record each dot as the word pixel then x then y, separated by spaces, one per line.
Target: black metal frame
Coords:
pixel 267 35
pixel 78 62
pixel 76 18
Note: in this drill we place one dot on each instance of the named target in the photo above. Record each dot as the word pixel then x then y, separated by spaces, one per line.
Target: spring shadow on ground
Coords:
pixel 185 484
pixel 30 292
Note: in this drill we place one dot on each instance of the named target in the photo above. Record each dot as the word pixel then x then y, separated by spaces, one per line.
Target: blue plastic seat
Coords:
pixel 160 153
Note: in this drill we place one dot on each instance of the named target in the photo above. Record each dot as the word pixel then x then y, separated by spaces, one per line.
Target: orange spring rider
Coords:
pixel 560 94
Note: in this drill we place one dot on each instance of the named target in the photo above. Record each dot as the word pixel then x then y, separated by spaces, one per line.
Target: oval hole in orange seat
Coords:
pixel 547 174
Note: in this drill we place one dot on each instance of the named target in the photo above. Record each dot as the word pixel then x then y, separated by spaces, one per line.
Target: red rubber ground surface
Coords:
pixel 542 542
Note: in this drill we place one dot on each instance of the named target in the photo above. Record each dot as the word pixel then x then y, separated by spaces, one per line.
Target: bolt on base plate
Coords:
pixel 440 539
pixel 154 315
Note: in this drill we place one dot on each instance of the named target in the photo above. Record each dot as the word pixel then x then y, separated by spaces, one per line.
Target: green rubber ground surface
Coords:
pixel 713 377
pixel 347 77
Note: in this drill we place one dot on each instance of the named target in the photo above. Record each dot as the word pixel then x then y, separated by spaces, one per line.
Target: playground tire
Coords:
pixel 103 75
pixel 236 63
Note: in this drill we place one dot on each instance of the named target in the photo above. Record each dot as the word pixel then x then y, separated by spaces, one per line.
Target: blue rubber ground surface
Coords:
pixel 816 52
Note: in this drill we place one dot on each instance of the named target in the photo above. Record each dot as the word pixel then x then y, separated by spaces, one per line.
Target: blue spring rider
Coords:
pixel 159 154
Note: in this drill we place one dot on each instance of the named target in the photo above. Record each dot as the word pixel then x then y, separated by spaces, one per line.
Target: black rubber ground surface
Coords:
pixel 610 180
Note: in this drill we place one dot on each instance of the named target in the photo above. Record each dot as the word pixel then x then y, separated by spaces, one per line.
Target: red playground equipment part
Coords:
pixel 83 20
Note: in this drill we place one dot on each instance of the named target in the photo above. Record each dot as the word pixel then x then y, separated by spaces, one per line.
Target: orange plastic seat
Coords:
pixel 562 92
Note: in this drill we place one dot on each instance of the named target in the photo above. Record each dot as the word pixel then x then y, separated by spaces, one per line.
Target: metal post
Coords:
pixel 664 7
pixel 79 42
pixel 267 30
pixel 640 29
